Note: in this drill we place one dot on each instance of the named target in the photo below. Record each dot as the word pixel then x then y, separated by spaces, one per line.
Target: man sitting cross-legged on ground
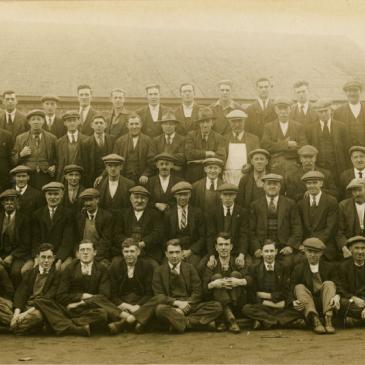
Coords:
pixel 313 286
pixel 180 284
pixel 226 283
pixel 270 284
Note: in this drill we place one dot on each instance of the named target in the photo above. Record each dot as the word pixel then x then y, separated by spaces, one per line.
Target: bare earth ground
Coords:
pixel 260 347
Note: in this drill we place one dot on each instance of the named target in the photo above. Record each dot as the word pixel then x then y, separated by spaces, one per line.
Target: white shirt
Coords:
pixel 360 208
pixel 50 120
pixel 11 216
pixel 92 216
pixel 316 197
pixel 135 141
pixel 276 198
pixel 314 268
pixel 238 136
pixel 177 268
pixel 12 115
pixel 179 213
pixel 267 266
pixel 98 137
pixel 130 271
pixel 226 208
pixel 357 175
pixel 208 183
pixel 304 106
pixel 188 110
pixel 169 137
pixel 42 270
pixel 328 124
pixel 86 268
pixel 138 214
pixel 284 127
pixel 83 112
pixel 21 190
pixel 154 110
pixel 164 181
pixel 355 108
pixel 50 210
pixel 263 103
pixel 75 136
pixel 113 186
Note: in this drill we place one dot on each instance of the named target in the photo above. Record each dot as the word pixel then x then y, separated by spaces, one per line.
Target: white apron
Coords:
pixel 237 158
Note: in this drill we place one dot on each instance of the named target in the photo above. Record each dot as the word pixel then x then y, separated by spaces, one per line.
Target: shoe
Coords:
pixel 328 325
pixel 116 327
pixel 211 326
pixel 256 325
pixel 318 326
pixel 298 324
pixel 139 328
pixel 221 327
pixel 352 322
pixel 234 328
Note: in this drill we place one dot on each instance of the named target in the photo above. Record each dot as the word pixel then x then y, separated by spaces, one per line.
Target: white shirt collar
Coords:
pixel 85 109
pixel 314 268
pixel 75 135
pixel 94 214
pixel 209 181
pixel 86 268
pixel 317 197
pixel 52 118
pixel 328 124
pixel 130 271
pixel 138 214
pixel 177 268
pixel 42 270
pixel 263 103
pixel 239 136
pixel 356 173
pixel 355 108
pixel 21 190
pixel 226 208
pixel 12 114
pixel 267 264
pixel 170 136
pixel 276 198
pixel 305 106
pixel 12 215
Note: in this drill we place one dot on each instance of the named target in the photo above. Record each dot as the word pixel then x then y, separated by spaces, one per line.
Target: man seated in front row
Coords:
pixel 226 283
pixel 314 288
pixel 270 282
pixel 179 283
pixel 6 297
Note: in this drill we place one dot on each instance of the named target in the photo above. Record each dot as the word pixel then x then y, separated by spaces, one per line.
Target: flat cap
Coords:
pixel 355 183
pixel 225 82
pixel 236 114
pixel 20 169
pixel 355 239
pixel 113 158
pixel 72 168
pixel 272 177
pixel 70 114
pixel 352 85
pixel 213 161
pixel 181 187
pixel 139 190
pixel 168 116
pixel 259 151
pixel 314 243
pixel 50 97
pixel 152 86
pixel 164 156
pixel 9 193
pixel 323 104
pixel 34 112
pixel 282 101
pixel 312 175
pixel 205 113
pixel 307 150
pixel 89 194
pixel 52 186
pixel 228 188
pixel 356 149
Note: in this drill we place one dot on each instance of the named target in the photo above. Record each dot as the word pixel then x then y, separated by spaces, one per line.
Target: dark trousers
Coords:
pixel 6 312
pixel 350 309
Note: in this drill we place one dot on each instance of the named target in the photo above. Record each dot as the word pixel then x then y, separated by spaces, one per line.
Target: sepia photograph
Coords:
pixel 182 182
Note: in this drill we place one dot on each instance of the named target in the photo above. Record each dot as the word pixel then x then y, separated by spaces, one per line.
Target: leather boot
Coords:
pixel 78 331
pixel 328 324
pixel 117 327
pixel 318 326
pixel 231 319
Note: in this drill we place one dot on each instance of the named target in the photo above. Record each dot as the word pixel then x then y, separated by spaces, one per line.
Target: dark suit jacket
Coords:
pixel 143 273
pixel 121 197
pixel 25 289
pixel 62 154
pixel 104 225
pixel 257 117
pixel 304 119
pixel 289 225
pixel 246 189
pixel 277 144
pixel 348 222
pixel 195 240
pixel 151 128
pixel 5 157
pixel 88 157
pixel 152 230
pixel 177 148
pixel 22 244
pixel 58 128
pixel 346 279
pixel 198 194
pixel 19 126
pixel 252 142
pixel 145 151
pixel 322 224
pixel 340 141
pixel 59 232
pixel 119 128
pixel 221 124
pixel 76 206
pixel 157 194
pixel 161 282
pixel 85 128
pixel 23 139
pixel 30 201
pixel 187 124
pixel 345 177
pixel 355 126
pixel 6 286
pixel 73 283
pixel 239 229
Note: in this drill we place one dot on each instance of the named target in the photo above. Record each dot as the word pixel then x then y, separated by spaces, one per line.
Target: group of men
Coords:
pixel 187 219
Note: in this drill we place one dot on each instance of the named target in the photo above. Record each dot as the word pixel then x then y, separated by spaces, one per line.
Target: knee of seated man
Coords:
pixel 328 283
pixel 27 266
pixel 299 287
pixel 236 274
pixel 217 276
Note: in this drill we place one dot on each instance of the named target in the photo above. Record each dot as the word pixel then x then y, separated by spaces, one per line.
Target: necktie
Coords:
pixel 82 115
pixel 183 221
pixel 211 185
pixel 91 217
pixel 10 121
pixel 228 212
pixel 360 174
pixel 169 141
pixel 317 282
pixel 302 110
pixel 49 122
pixel 37 140
pixel 72 195
pixel 174 272
pixel 73 139
pixel 51 213
pixel 270 267
pixel 272 206
pixel 326 130
pixel 314 202
pixel 100 141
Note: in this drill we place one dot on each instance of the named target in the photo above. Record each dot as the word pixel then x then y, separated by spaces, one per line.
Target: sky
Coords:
pixel 327 17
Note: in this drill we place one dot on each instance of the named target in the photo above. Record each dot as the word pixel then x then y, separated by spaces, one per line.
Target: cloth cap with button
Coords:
pixel 35 112
pixel 50 97
pixel 139 190
pixel 168 116
pixel 72 168
pixel 236 114
pixel 356 149
pixel 352 85
pixel 9 193
pixel 20 169
pixel 225 82
pixel 355 183
pixel 282 102
pixel 90 193
pixel 113 158
pixel 228 188
pixel 307 150
pixel 70 114
pixel 152 86
pixel 213 161
pixel 181 187
pixel 164 156
pixel 312 175
pixel 272 177
pixel 205 113
pixel 355 239
pixel 53 186
pixel 323 104
pixel 314 244
pixel 259 151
